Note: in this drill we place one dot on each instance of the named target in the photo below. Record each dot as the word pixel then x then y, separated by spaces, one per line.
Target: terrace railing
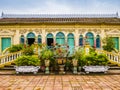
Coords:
pixel 9 58
pixel 113 57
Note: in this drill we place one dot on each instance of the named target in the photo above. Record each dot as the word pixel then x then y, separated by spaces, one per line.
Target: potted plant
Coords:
pixel 78 58
pixel 96 62
pixel 46 55
pixel 27 64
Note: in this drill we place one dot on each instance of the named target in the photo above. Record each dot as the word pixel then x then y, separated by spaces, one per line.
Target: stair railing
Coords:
pixel 4 59
pixel 114 57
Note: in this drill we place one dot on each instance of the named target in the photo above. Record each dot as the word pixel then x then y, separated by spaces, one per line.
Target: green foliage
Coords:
pixel 91 59
pixel 80 56
pixel 28 50
pixel 16 48
pixel 46 54
pixel 27 61
pixel 96 59
pixel 109 44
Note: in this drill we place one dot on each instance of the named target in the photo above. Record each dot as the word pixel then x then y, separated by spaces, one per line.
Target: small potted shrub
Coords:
pixel 47 56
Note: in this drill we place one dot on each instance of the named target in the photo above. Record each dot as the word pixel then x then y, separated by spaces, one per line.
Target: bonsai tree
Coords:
pixel 109 44
pixel 27 61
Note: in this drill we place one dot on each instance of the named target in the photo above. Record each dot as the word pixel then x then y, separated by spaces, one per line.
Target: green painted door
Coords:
pixel 116 41
pixel 60 41
pixel 91 41
pixel 71 43
pixel 60 38
pixel 6 42
pixel 90 38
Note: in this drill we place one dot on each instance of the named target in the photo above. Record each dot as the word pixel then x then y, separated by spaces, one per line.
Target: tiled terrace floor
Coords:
pixel 60 82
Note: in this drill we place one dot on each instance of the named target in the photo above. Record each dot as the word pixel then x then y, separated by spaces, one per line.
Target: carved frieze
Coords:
pixel 23 31
pixel 38 31
pixel 7 32
pixel 81 31
pixel 113 32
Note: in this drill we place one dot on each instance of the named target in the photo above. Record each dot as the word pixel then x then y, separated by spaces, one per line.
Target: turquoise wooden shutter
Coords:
pixel 6 42
pixel 90 38
pixel 71 42
pixel 116 41
pixel 60 38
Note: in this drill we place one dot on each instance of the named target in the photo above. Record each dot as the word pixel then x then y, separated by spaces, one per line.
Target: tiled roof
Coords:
pixel 63 18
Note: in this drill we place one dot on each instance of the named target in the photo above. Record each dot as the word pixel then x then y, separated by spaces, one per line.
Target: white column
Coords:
pixel 16 38
pixel 76 36
pixel 43 36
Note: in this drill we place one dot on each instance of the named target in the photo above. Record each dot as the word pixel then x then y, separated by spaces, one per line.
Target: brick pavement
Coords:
pixel 60 82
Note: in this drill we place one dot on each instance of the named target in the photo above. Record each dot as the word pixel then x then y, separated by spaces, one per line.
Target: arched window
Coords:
pixel 81 40
pixel 30 38
pixel 90 38
pixel 31 35
pixel 50 39
pixel 22 39
pixel 70 41
pixel 97 41
pixel 60 38
pixel 39 39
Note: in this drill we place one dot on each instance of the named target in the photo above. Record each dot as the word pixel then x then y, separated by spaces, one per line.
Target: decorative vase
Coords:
pixel 75 66
pixel 47 64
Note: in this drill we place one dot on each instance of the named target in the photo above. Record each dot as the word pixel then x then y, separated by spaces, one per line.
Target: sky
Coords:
pixel 59 6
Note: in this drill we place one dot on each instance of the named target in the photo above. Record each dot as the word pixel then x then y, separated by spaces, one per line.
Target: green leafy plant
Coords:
pixel 46 54
pixel 27 61
pixel 109 44
pixel 79 55
pixel 96 59
pixel 28 50
pixel 16 48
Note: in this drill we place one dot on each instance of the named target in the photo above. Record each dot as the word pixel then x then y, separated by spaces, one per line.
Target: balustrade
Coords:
pixel 111 56
pixel 9 57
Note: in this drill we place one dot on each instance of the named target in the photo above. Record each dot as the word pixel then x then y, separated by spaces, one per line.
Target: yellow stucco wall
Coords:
pixel 15 31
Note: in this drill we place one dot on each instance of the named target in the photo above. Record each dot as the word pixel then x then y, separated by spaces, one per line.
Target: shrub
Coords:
pixel 27 61
pixel 28 50
pixel 109 44
pixel 46 54
pixel 16 48
pixel 98 59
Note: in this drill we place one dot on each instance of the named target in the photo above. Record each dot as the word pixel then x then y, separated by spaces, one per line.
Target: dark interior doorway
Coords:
pixel 49 41
pixel 31 41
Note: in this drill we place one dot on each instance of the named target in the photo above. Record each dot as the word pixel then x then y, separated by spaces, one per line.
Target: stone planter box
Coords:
pixel 25 69
pixel 96 69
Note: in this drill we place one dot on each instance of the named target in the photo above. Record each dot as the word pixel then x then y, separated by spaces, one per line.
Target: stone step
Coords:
pixel 114 68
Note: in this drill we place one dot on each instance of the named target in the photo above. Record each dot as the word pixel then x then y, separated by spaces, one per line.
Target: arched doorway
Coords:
pixel 39 39
pixel 70 41
pixel 90 38
pixel 97 41
pixel 60 38
pixel 50 40
pixel 22 39
pixel 81 40
pixel 31 38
